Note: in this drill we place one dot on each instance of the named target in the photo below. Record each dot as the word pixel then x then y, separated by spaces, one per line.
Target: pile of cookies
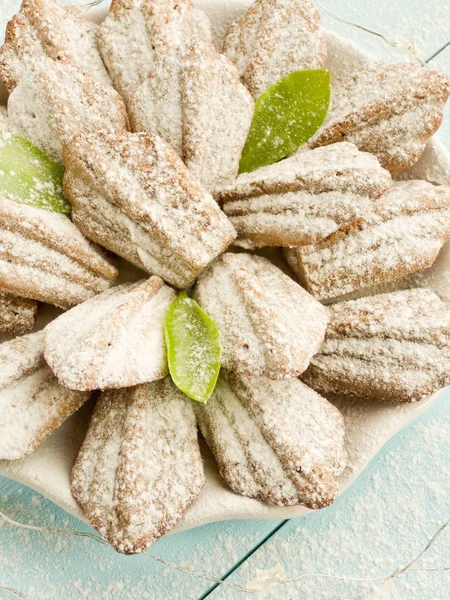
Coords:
pixel 149 121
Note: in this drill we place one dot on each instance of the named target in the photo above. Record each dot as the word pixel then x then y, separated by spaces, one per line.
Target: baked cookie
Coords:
pixel 132 194
pixel 268 324
pixel 3 118
pixel 48 28
pixel 277 441
pixel 17 315
pixel 388 110
pixel 127 35
pixel 275 38
pixel 32 403
pixel 139 467
pixel 392 347
pixel 43 256
pixel 114 340
pixel 403 234
pixel 54 101
pixel 304 198
pixel 193 98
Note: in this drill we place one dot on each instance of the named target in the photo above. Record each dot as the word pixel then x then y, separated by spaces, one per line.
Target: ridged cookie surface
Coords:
pixel 54 101
pixel 268 324
pixel 390 111
pixel 114 340
pixel 43 256
pixel 132 194
pixel 392 347
pixel 32 402
pixel 304 198
pixel 403 234
pixel 275 38
pixel 139 467
pixel 49 28
pixel 277 441
pixel 193 97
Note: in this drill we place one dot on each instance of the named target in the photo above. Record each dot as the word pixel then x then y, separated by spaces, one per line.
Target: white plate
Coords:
pixel 369 425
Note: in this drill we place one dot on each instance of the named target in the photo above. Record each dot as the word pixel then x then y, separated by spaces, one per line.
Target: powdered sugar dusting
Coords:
pixel 277 441
pixel 268 324
pixel 140 466
pixel 43 256
pixel 393 347
pixel 54 101
pixel 305 197
pixel 388 110
pixel 48 28
pixel 403 234
pixel 114 340
pixel 275 38
pixel 159 217
pixel 32 403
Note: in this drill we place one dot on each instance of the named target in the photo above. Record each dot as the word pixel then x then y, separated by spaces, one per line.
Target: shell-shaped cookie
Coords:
pixel 139 467
pixel 268 324
pixel 17 315
pixel 54 101
pixel 392 347
pixel 132 194
pixel 194 100
pixel 277 441
pixel 32 402
pixel 127 37
pixel 43 256
pixel 303 198
pixel 48 28
pixel 114 340
pixel 403 234
pixel 388 110
pixel 275 38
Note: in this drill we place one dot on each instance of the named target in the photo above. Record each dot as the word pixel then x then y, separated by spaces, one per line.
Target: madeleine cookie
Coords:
pixel 277 441
pixel 193 98
pixel 390 111
pixel 32 403
pixel 304 198
pixel 275 38
pixel 127 37
pixel 114 340
pixel 132 194
pixel 48 28
pixel 268 324
pixel 43 256
pixel 392 347
pixel 139 467
pixel 54 101
pixel 403 234
pixel 17 315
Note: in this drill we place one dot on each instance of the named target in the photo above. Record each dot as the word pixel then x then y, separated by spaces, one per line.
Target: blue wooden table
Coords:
pixel 375 528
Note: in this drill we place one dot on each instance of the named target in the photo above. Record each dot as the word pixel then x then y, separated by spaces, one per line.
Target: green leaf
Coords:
pixel 286 115
pixel 193 348
pixel 29 176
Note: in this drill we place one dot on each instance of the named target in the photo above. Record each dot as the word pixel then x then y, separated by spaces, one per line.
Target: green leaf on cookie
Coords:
pixel 29 176
pixel 286 116
pixel 193 348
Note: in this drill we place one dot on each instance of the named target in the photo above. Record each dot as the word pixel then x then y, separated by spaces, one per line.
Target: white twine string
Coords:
pixel 13 591
pixel 406 45
pixel 249 590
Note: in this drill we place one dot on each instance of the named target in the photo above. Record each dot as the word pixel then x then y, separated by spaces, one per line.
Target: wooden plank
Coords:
pixel 55 566
pixel 427 24
pixel 376 527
